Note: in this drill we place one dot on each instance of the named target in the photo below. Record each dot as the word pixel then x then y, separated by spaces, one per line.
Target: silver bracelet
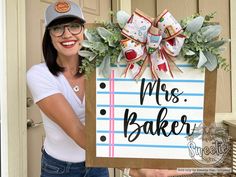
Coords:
pixel 126 172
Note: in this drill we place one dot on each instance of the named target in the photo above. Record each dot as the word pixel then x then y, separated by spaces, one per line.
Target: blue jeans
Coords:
pixel 51 167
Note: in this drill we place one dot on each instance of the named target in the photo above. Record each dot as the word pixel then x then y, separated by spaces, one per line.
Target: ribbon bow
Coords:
pixel 151 41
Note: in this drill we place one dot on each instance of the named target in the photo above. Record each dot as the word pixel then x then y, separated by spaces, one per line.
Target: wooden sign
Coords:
pixel 145 123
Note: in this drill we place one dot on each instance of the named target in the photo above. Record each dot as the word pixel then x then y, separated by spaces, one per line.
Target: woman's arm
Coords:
pixel 57 108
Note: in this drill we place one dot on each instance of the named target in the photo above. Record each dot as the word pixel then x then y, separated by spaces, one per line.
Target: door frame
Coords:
pixel 231 115
pixel 13 83
pixel 121 5
pixel 13 89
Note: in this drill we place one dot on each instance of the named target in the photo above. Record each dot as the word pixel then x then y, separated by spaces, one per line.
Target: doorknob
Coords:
pixel 31 124
pixel 29 102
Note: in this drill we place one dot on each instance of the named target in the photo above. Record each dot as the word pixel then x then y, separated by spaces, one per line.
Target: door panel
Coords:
pixel 149 8
pixel 180 9
pixel 93 10
pixel 155 7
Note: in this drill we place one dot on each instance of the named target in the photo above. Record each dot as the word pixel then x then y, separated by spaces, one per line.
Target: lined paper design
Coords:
pixel 146 119
pixel 111 105
pixel 116 94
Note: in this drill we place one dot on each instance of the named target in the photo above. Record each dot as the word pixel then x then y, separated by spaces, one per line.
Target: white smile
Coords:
pixel 68 43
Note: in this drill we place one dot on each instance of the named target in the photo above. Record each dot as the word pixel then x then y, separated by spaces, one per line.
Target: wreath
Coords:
pixel 139 41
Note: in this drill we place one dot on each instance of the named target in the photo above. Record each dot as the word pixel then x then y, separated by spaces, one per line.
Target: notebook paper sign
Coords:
pixel 148 118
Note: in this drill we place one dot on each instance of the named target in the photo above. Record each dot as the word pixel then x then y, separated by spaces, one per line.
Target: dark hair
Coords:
pixel 50 53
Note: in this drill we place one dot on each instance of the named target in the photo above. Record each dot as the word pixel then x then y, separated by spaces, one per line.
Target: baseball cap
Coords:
pixel 61 9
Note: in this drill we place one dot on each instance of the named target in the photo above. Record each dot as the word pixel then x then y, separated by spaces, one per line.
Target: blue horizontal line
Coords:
pixel 179 65
pixel 138 93
pixel 185 65
pixel 122 132
pixel 143 119
pixel 149 107
pixel 143 145
pixel 149 80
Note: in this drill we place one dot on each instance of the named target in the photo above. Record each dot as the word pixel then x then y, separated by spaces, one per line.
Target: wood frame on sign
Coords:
pixel 93 161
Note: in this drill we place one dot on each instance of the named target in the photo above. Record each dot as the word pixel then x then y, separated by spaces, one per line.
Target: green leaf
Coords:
pixel 100 47
pixel 202 59
pixel 195 25
pixel 87 44
pixel 87 54
pixel 104 33
pixel 119 57
pixel 190 53
pixel 104 68
pixel 211 63
pixel 111 42
pixel 210 16
pixel 91 37
pixel 210 32
pixel 216 43
pixel 122 18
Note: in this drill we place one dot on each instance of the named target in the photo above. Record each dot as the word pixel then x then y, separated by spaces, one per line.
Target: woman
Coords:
pixel 57 87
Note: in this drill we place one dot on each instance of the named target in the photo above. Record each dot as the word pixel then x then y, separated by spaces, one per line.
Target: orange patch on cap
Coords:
pixel 62 6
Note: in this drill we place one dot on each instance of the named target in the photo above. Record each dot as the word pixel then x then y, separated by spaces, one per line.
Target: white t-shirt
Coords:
pixel 42 83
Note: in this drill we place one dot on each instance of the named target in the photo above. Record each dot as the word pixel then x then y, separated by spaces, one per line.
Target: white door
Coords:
pixel 93 10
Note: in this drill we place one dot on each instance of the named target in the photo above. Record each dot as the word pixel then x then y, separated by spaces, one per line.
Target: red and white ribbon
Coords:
pixel 151 41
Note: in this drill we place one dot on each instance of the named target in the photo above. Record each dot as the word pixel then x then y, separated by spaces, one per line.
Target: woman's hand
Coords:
pixel 155 173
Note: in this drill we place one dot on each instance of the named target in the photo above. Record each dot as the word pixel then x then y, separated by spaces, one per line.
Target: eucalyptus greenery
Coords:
pixel 101 48
pixel 202 46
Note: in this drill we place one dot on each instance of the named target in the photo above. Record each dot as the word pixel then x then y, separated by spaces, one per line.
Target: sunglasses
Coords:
pixel 73 27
